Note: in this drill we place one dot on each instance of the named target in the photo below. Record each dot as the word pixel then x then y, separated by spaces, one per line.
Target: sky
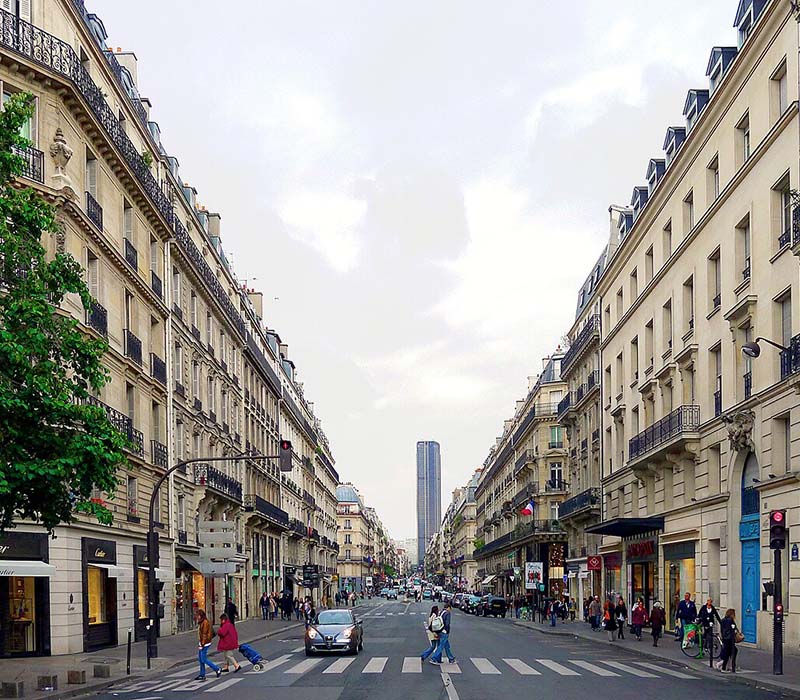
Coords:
pixel 418 188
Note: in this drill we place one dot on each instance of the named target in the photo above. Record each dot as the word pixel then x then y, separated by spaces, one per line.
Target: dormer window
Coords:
pixel 718 63
pixel 747 15
pixel 655 169
pixel 675 137
pixel 716 76
pixel 696 100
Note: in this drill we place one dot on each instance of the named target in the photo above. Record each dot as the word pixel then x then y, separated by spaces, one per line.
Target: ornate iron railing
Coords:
pixel 717 403
pixel 585 499
pixel 33 162
pixel 94 211
pixel 158 369
pixel 131 255
pixel 183 538
pixel 97 318
pixel 564 404
pixel 158 454
pixel 748 384
pixel 790 358
pixel 257 504
pixel 588 331
pixel 156 285
pixel 206 475
pixel 682 419
pixel 180 390
pixel 133 347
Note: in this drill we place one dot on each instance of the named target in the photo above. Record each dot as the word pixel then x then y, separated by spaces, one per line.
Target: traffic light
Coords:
pixel 777 529
pixel 779 612
pixel 285 456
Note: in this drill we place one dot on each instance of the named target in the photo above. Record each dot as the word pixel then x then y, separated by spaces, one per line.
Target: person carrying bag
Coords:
pixel 433 626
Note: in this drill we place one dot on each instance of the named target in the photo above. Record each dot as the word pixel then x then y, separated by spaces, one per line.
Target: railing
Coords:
pixel 748 384
pixel 206 475
pixel 555 485
pixel 177 311
pixel 94 211
pixel 525 494
pixel 195 332
pixel 746 271
pixel 564 404
pixel 493 546
pixel 717 301
pixel 593 379
pixel 158 454
pixel 97 318
pixel 180 390
pixel 584 445
pixel 137 438
pixel 785 238
pixel 32 162
pixel 156 285
pixel 533 527
pixel 585 499
pixel 525 457
pixel 683 418
pixel 131 254
pixel 212 416
pixel 591 327
pixel 790 358
pixel 133 347
pixel 198 404
pixel 596 435
pixel 555 445
pixel 717 403
pixel 796 225
pixel 262 506
pixel 183 538
pixel 308 499
pixel 158 369
pixel 297 528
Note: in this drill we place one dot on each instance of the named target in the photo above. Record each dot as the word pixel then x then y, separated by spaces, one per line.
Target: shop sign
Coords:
pixel 141 556
pixel 99 551
pixel 289 570
pixel 594 563
pixel 23 545
pixel 644 549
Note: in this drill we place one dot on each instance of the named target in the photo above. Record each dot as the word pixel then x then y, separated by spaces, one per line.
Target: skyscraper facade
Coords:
pixel 429 493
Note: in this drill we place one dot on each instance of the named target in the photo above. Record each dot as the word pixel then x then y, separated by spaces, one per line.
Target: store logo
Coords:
pixel 4 548
pixel 100 553
pixel 641 549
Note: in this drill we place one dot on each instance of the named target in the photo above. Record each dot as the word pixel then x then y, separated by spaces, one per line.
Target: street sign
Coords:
pixel 216 538
pixel 225 525
pixel 565 578
pixel 795 552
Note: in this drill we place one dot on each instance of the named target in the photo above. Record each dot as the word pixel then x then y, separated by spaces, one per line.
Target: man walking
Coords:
pixel 231 611
pixel 444 639
pixel 687 613
pixel 594 613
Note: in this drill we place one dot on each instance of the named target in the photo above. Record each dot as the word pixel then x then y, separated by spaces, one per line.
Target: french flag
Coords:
pixel 528 510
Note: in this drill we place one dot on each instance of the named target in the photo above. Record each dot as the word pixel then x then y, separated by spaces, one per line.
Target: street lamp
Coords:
pixel 753 349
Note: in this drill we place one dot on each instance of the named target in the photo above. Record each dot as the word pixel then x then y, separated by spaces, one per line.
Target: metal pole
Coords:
pixel 130 639
pixel 777 620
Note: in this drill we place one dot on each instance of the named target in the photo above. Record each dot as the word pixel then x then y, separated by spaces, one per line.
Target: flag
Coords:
pixel 528 510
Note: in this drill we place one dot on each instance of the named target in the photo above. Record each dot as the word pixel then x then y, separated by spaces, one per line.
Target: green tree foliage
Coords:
pixel 54 447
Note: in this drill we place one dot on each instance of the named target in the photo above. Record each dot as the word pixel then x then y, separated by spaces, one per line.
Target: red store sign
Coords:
pixel 641 550
pixel 594 563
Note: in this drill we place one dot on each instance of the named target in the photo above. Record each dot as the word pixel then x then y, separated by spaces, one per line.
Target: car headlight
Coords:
pixel 346 633
pixel 312 633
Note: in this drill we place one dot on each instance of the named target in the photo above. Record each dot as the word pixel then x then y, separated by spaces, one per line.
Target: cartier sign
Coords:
pixel 641 550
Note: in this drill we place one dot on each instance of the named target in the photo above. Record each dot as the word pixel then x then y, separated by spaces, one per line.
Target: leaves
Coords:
pixel 54 448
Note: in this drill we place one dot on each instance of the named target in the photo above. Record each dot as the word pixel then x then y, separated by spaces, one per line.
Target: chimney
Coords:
pixel 284 350
pixel 127 59
pixel 257 300
pixel 213 223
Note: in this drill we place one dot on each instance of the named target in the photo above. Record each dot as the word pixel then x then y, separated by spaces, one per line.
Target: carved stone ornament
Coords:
pixel 61 153
pixel 740 430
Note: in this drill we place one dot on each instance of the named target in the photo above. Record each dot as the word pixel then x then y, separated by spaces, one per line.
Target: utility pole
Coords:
pixel 777 543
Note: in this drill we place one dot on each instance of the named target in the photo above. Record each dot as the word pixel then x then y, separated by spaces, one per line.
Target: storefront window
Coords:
pixel 613 581
pixel 141 598
pixel 21 622
pixel 680 577
pixel 198 591
pixel 96 579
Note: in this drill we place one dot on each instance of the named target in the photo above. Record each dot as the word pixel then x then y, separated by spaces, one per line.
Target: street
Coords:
pixel 494 658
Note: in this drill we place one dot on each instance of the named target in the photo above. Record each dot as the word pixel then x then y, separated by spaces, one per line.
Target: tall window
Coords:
pixel 193 308
pixel 176 287
pixel 177 360
pixel 93 274
pixel 712 179
pixel 750 477
pixel 91 174
pixel 688 212
pixel 556 473
pixel 743 139
pixel 666 241
pixel 648 265
pixel 127 220
pixel 196 379
pixel 714 280
pixel 779 93
pixel 133 499
pixel 182 513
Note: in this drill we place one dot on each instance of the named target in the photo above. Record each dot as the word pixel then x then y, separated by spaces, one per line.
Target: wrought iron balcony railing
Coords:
pixel 596 435
pixel 256 504
pixel 131 254
pixel 206 475
pixel 183 537
pixel 180 389
pixel 158 369
pixel 682 419
pixel 790 358
pixel 785 238
pixel 156 285
pixel 748 384
pixel 555 485
pixel 133 347
pixel 158 454
pixel 94 211
pixel 564 404
pixel 33 162
pixel 585 499
pixel 97 318
pixel 717 403
pixel 555 445
pixel 587 333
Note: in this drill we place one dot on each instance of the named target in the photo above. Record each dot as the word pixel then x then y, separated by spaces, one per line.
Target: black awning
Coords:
pixel 626 527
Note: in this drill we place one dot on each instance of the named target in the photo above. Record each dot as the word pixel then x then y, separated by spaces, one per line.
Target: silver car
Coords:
pixel 334 630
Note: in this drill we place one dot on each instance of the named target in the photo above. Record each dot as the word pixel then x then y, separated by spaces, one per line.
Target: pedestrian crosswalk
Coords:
pixel 292 667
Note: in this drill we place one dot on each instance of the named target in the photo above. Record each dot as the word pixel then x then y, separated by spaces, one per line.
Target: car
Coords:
pixel 470 604
pixel 334 630
pixel 384 592
pixel 391 594
pixel 427 594
pixel 492 605
pixel 457 598
pixel 447 595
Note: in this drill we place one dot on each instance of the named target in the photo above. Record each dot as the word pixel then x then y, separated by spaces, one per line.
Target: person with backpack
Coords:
pixel 433 626
pixel 444 639
pixel 205 633
pixel 228 641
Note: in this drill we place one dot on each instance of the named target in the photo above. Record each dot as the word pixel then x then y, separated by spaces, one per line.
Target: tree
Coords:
pixel 55 447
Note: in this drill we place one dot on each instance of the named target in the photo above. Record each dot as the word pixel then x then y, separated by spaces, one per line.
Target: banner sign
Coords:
pixel 534 572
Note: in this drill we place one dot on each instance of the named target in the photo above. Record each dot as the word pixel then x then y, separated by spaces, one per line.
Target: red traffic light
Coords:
pixel 286 444
pixel 779 609
pixel 777 516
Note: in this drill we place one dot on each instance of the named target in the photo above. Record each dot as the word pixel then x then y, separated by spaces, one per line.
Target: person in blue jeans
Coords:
pixel 205 634
pixel 444 639
pixel 433 637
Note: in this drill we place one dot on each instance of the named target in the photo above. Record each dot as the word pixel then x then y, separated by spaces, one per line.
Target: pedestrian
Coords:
pixel 553 612
pixel 432 628
pixel 205 633
pixel 621 613
pixel 444 639
pixel 610 620
pixel 686 614
pixel 264 603
pixel 297 608
pixel 231 611
pixel 572 611
pixel 338 598
pixel 595 612
pixel 228 641
pixel 638 619
pixel 273 607
pixel 708 613
pixel 657 620
pixel 311 618
pixel 730 637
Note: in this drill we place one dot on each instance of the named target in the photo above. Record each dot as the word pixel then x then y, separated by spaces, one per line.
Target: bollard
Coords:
pixel 130 633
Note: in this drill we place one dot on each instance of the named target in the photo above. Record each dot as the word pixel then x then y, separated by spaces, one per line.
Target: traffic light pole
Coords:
pixel 777 614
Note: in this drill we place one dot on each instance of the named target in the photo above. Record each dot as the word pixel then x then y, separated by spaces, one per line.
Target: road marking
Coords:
pixel 269 665
pixel 449 687
pixel 412 664
pixel 219 687
pixel 388 613
pixel 522 668
pixel 485 666
pixel 668 671
pixel 558 668
pixel 597 670
pixel 375 664
pixel 295 651
pixel 450 668
pixel 629 669
pixel 303 666
pixel 189 687
pixel 339 665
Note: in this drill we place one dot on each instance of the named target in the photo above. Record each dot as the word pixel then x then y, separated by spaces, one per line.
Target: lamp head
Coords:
pixel 751 349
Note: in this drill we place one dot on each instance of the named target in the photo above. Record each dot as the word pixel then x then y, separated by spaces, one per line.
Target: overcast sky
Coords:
pixel 417 187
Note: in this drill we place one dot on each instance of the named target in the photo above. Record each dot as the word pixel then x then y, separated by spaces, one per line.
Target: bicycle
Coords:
pixel 696 645
pixel 526 614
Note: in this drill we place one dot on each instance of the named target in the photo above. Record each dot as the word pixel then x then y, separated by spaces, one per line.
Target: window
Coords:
pixel 781 201
pixel 93 274
pixel 177 360
pixel 348 554
pixel 785 319
pixel 133 501
pixel 714 280
pixel 348 525
pixel 648 265
pixel 620 306
pixel 648 343
pixel 743 139
pixel 688 212
pixel 179 437
pixel 196 379
pixel 554 511
pixel 619 375
pixel 96 585
pixel 209 329
pixel 127 221
pixel 635 359
pixel 28 130
pixel 688 305
pixel 154 255
pixel 712 179
pixel 743 247
pixel 716 368
pixel 779 94
pixel 130 400
pixel 176 287
pixel 556 473
pixel 634 285
pixel 155 421
pixel 666 241
pixel 211 390
pixel 781 444
pixel 666 312
pixel 607 317
pixel 193 308
pixel 348 539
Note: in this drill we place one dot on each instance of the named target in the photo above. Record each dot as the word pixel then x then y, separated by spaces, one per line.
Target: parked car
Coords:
pixel 470 604
pixel 335 630
pixel 384 592
pixel 492 605
pixel 457 598
pixel 447 595
pixel 427 594
pixel 391 594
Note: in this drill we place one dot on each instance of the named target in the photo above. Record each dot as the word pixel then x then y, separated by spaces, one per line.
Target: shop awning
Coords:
pixel 207 567
pixel 115 571
pixel 26 568
pixel 626 527
pixel 488 580
pixel 583 574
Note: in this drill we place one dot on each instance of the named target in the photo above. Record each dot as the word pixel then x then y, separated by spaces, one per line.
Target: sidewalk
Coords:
pixel 173 650
pixel 754 666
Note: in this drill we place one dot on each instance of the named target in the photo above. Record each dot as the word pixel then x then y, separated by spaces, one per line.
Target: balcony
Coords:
pixel 183 537
pixel 297 528
pixel 32 162
pixel 717 403
pixel 584 446
pixel 261 506
pixel 198 405
pixel 158 369
pixel 717 301
pixel 785 239
pixel 309 500
pixel 596 436
pixel 536 527
pixel 180 390
pixel 178 311
pixel 212 416
pixel 555 445
pixel 208 476
pixel 556 486
pixel 790 358
pixel 156 285
pixel 195 332
pixel 748 384
pixel 585 503
pixel 588 333
pixel 672 431
pixel 564 405
pixel 526 457
pixel 133 347
pixel 97 318
pixel 525 494
pixel 747 269
pixel 122 423
pixel 131 255
pixel 158 454
pixel 94 211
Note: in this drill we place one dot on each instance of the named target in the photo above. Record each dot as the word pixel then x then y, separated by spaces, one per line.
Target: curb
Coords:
pixel 759 683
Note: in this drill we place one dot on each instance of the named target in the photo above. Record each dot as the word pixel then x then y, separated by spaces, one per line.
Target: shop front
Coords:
pixel 641 558
pixel 612 568
pixel 679 576
pixel 190 590
pixel 100 574
pixel 24 595
pixel 140 576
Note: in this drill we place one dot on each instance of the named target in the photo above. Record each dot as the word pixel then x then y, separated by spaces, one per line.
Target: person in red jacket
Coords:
pixel 228 641
pixel 638 619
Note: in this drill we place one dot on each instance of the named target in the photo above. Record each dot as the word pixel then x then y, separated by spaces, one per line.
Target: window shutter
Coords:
pixel 6 5
pixel 25 10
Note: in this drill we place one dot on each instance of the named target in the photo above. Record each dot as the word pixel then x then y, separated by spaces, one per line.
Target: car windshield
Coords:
pixel 334 617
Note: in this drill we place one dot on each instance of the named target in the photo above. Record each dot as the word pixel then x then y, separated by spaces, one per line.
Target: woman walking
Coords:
pixel 610 620
pixel 204 636
pixel 621 613
pixel 730 636
pixel 433 637
pixel 273 607
pixel 638 619
pixel 228 641
pixel 657 620
pixel 264 603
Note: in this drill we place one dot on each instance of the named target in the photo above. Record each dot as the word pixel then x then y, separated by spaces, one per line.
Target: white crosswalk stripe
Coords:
pixel 296 651
pixel 629 669
pixel 522 668
pixel 339 665
pixel 269 665
pixel 219 687
pixel 303 666
pixel 557 667
pixel 375 664
pixel 485 666
pixel 450 668
pixel 667 671
pixel 593 668
pixel 191 687
pixel 412 664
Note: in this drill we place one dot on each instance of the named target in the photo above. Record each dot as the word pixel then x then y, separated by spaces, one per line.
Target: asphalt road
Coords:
pixel 494 659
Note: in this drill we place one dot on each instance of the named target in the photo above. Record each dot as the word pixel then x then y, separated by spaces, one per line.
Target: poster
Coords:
pixel 534 571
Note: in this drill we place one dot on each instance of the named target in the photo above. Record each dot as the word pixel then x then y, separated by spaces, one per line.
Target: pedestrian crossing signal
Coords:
pixel 285 456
